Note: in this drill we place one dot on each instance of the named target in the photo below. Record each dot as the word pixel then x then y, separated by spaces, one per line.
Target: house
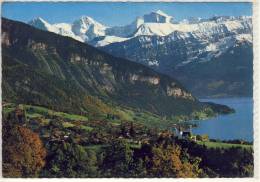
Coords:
pixel 183 134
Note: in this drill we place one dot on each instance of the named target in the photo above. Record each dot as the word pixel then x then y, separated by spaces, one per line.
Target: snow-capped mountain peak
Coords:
pixel 87 28
pixel 63 29
pixel 157 17
pixel 161 13
pixel 87 21
pixel 38 19
pixel 40 23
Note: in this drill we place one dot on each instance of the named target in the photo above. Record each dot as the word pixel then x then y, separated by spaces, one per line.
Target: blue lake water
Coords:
pixel 232 126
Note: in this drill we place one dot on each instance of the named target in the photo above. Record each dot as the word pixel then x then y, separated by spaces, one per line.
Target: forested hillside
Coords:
pixel 43 68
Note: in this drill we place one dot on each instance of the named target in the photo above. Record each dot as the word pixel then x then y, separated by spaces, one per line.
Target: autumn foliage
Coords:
pixel 166 162
pixel 23 152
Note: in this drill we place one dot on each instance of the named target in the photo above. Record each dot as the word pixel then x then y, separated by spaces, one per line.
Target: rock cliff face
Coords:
pixel 43 68
pixel 151 80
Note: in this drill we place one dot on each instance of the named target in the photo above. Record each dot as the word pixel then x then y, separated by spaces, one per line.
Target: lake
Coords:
pixel 232 126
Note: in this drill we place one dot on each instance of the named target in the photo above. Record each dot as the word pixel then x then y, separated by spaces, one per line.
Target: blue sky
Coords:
pixel 117 13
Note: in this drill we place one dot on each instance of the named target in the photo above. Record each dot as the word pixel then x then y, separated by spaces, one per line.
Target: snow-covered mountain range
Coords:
pixel 156 23
pixel 86 29
pixel 158 41
pixel 213 36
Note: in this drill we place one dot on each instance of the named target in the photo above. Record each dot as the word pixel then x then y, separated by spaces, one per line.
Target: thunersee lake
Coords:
pixel 238 125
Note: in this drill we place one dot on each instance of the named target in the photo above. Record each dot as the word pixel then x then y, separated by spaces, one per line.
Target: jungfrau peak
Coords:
pixel 157 17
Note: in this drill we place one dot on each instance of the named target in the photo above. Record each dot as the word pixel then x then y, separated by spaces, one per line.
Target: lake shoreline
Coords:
pixel 238 125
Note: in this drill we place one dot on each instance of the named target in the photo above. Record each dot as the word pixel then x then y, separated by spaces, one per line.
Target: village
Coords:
pixel 54 128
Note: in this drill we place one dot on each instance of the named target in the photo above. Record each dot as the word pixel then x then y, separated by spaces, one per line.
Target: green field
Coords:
pixel 143 118
pixel 119 114
pixel 37 111
pixel 223 145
